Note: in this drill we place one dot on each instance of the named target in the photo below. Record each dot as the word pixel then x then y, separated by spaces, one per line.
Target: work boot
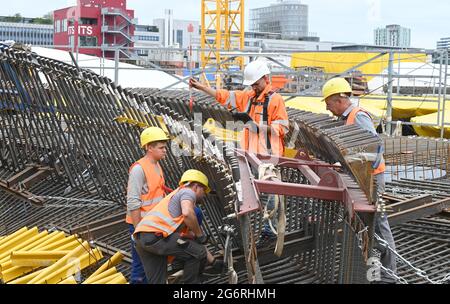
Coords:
pixel 218 265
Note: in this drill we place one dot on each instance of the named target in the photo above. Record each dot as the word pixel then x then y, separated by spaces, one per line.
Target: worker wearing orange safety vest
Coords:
pixel 161 233
pixel 146 188
pixel 336 94
pixel 265 132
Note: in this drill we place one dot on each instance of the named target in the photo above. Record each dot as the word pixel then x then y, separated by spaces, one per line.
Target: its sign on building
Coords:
pixel 95 27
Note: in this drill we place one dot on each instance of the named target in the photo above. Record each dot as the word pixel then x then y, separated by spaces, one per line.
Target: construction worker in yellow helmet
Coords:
pixel 172 229
pixel 146 188
pixel 336 94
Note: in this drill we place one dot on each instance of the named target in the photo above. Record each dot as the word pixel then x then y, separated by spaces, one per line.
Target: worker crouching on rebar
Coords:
pixel 263 112
pixel 146 188
pixel 172 229
pixel 336 94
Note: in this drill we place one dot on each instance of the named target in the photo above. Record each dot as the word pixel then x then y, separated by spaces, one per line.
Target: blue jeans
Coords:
pixel 382 228
pixel 137 269
pixel 199 214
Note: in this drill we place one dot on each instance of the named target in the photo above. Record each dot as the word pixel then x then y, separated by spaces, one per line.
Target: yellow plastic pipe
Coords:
pixel 16 272
pixel 10 272
pixel 120 279
pixel 44 237
pixel 84 247
pixel 29 237
pixel 57 243
pixel 108 279
pixel 27 278
pixel 13 272
pixel 113 261
pixel 5 249
pixel 36 258
pixel 72 267
pixel 69 281
pixel 7 264
pixel 70 246
pixel 107 273
pixel 13 235
pixel 55 237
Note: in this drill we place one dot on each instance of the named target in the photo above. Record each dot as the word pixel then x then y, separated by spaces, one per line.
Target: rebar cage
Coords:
pixel 68 137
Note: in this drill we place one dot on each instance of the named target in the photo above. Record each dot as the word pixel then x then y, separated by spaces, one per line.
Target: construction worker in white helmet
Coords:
pixel 269 120
pixel 171 229
pixel 263 112
pixel 336 94
pixel 146 188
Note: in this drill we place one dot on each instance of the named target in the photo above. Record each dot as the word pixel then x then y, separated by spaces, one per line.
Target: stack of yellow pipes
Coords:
pixel 31 257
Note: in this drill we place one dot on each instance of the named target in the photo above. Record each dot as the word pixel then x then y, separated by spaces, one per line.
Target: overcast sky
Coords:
pixel 332 20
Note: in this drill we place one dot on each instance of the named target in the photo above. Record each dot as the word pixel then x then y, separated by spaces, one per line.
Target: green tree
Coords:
pixel 16 18
pixel 49 15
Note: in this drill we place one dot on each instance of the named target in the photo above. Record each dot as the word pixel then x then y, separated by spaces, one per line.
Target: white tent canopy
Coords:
pixel 130 76
pixel 420 76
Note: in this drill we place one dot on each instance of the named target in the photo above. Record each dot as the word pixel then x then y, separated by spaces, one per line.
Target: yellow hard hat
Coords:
pixel 153 134
pixel 197 177
pixel 336 86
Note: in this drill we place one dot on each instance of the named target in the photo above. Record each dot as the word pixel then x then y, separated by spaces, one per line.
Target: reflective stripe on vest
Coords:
pixel 156 225
pixel 155 183
pixel 283 123
pixel 152 201
pixel 159 218
pixel 263 138
pixel 351 119
pixel 231 100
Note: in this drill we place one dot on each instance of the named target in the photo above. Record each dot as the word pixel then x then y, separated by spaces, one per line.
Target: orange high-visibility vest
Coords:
pixel 155 183
pixel 159 220
pixel 350 121
pixel 277 118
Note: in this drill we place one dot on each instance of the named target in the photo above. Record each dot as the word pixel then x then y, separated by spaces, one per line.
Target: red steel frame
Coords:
pixel 326 183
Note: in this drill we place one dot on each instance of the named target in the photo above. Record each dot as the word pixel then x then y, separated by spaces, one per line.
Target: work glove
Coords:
pixel 246 119
pixel 203 239
pixel 241 116
pixel 218 265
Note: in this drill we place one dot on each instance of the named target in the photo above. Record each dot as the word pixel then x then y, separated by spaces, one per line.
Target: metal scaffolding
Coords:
pixel 222 28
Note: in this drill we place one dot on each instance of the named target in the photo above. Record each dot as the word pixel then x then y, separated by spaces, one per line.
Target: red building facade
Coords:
pixel 95 27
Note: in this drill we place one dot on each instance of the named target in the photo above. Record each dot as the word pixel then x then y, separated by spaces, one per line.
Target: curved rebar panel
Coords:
pixel 68 137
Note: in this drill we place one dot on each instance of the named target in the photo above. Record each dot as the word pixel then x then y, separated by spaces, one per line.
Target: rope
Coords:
pixel 269 172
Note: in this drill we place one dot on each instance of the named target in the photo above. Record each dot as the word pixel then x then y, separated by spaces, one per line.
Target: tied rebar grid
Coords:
pixel 416 158
pixel 55 116
pixel 86 130
pixel 424 240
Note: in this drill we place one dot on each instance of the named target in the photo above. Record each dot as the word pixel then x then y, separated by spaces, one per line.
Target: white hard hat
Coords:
pixel 254 71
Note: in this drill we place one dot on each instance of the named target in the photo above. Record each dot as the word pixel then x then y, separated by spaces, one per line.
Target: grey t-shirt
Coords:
pixel 137 186
pixel 175 201
pixel 364 121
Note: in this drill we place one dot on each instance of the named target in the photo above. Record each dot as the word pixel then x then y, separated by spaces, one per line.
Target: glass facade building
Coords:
pixel 288 18
pixel 34 34
pixel 393 35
